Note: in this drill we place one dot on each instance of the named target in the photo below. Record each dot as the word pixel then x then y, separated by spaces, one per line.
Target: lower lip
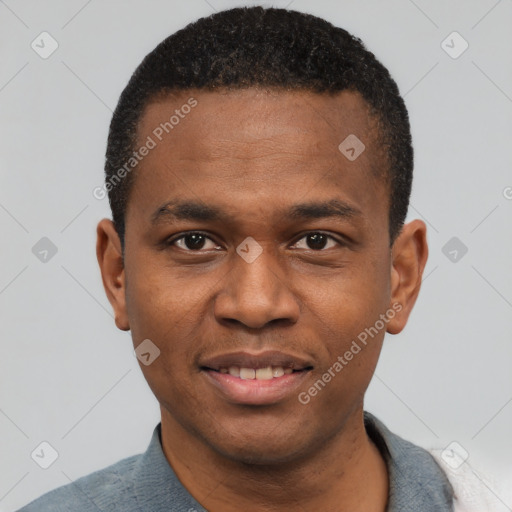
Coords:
pixel 254 391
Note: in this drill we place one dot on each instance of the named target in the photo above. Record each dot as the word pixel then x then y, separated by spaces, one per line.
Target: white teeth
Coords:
pixel 247 373
pixel 235 371
pixel 277 371
pixel 264 373
pixel 267 373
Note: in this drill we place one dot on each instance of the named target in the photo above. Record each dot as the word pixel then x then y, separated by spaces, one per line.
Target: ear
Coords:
pixel 110 259
pixel 408 258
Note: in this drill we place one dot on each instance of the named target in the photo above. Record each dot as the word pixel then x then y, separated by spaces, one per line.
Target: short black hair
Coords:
pixel 258 47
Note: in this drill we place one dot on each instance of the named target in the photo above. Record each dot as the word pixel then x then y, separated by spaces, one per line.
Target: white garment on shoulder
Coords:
pixel 474 492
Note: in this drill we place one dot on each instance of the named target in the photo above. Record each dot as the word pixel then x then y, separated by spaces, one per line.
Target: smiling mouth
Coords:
pixel 265 373
pixel 262 378
pixel 266 365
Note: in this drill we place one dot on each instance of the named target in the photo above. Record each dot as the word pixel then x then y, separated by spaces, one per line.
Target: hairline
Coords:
pixel 376 131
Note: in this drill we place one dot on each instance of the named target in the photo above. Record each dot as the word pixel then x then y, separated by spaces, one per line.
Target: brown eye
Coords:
pixel 193 242
pixel 317 241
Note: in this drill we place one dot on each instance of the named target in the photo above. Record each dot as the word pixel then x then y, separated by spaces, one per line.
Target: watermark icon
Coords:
pixel 157 135
pixel 507 193
pixel 44 455
pixel 146 352
pixel 454 45
pixel 249 249
pixel 44 45
pixel 342 361
pixel 454 249
pixel 351 147
pixel 454 455
pixel 44 250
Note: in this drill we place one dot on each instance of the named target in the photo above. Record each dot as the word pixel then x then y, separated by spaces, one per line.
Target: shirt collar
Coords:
pixel 156 484
pixel 416 481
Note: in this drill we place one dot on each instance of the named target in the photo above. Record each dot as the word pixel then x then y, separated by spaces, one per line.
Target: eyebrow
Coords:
pixel 198 211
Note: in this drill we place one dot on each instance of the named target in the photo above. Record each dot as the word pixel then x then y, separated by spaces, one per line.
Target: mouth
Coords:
pixel 266 373
pixel 255 379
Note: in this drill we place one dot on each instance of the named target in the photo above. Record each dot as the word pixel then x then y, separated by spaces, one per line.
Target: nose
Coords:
pixel 256 293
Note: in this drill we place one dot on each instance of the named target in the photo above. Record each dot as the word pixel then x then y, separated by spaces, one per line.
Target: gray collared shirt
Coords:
pixel 147 482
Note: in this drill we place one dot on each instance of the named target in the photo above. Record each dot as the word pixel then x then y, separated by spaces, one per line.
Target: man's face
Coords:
pixel 303 286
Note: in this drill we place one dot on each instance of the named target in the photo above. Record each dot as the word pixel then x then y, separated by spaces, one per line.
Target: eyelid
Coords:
pixel 340 241
pixel 171 240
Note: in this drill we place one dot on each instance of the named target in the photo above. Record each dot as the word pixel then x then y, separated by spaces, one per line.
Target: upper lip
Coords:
pixel 256 360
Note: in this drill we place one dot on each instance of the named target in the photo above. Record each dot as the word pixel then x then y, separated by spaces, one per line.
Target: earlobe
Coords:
pixel 408 259
pixel 110 260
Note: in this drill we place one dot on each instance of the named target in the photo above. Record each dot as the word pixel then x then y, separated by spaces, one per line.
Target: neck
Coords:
pixel 346 473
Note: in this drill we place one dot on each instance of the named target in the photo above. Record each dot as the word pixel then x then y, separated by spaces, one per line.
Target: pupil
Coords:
pixel 197 241
pixel 317 240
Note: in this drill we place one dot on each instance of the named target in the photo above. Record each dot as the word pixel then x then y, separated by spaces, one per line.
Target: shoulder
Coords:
pixel 416 481
pixel 102 490
pixel 473 491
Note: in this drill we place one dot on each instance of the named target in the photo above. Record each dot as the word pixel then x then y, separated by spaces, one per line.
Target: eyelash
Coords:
pixel 172 241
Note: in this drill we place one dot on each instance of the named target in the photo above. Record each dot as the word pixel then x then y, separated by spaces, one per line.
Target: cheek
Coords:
pixel 352 343
pixel 348 315
pixel 158 302
pixel 163 310
pixel 354 300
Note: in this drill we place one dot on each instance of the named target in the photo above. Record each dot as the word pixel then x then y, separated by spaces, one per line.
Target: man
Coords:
pixel 259 167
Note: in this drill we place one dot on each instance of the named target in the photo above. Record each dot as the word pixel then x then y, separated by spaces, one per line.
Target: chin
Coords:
pixel 262 450
pixel 255 456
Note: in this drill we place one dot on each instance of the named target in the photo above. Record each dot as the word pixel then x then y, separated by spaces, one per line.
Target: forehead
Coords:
pixel 249 123
pixel 256 143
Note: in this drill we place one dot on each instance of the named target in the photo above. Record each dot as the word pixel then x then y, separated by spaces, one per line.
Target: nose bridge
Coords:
pixel 256 291
pixel 255 271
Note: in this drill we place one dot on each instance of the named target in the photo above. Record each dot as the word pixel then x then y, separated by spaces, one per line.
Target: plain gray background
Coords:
pixel 69 377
